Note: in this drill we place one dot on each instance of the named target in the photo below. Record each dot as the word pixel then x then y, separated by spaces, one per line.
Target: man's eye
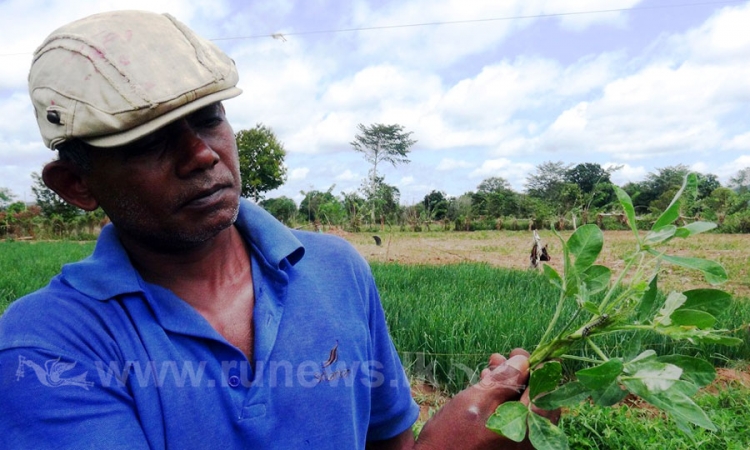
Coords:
pixel 207 121
pixel 145 149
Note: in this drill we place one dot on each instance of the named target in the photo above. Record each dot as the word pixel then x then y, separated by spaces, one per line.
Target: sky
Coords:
pixel 488 88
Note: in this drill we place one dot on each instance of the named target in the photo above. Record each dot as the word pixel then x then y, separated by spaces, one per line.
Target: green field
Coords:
pixel 446 319
pixel 27 266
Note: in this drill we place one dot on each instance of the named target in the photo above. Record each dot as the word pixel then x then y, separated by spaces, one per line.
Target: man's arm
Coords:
pixel 57 401
pixel 460 424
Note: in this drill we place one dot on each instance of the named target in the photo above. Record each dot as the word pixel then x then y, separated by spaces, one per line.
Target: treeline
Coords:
pixel 557 195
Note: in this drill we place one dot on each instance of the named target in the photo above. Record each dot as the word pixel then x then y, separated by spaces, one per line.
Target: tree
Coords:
pixel 436 205
pixel 283 208
pixel 6 197
pixel 495 198
pixel 548 180
pixel 587 176
pixel 707 183
pixel 382 143
pixel 719 203
pixel 354 205
pixel 660 183
pixel 382 199
pixel 310 206
pixel 261 158
pixel 459 207
pixel 493 184
pixel 595 184
pixel 740 182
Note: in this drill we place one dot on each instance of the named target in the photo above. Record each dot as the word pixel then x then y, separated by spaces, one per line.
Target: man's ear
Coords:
pixel 68 182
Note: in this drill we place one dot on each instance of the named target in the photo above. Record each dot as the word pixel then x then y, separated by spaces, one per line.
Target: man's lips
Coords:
pixel 206 197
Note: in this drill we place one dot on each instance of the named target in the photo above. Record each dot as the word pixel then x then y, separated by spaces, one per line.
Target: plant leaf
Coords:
pixel 599 377
pixel 675 401
pixel 593 308
pixel 712 301
pixel 674 301
pixel 545 378
pixel 596 278
pixel 552 276
pixel 657 376
pixel 627 206
pixel 696 370
pixel 509 420
pixel 697 335
pixel 648 300
pixel 712 271
pixel 569 394
pixel 669 215
pixel 643 356
pixel 694 228
pixel 585 244
pixel 673 210
pixel 544 435
pixel 610 395
pixel 694 318
pixel 660 235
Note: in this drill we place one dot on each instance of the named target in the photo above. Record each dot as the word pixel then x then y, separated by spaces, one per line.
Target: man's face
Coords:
pixel 175 188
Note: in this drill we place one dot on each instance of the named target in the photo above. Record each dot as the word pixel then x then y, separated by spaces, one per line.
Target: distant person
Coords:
pixel 199 321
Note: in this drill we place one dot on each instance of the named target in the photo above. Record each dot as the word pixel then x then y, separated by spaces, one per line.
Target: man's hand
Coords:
pixel 460 424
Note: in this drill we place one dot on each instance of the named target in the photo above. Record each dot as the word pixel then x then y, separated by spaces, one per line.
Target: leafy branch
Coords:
pixel 667 382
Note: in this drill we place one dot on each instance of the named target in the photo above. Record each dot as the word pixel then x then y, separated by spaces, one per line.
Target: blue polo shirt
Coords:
pixel 101 359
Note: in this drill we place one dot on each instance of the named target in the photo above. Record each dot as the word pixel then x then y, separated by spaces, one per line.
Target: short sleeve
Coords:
pixel 52 400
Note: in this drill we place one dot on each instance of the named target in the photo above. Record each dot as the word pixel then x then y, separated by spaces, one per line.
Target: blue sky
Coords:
pixel 654 84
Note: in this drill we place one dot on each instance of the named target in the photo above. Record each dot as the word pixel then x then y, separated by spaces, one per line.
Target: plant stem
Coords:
pixel 555 317
pixel 596 349
pixel 570 323
pixel 580 358
pixel 605 301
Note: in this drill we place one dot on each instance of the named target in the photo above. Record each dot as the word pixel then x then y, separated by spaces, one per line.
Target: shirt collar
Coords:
pixel 108 272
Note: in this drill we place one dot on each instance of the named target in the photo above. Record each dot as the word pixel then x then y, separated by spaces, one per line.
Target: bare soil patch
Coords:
pixel 511 249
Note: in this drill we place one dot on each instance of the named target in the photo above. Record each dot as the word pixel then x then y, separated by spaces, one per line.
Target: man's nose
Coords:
pixel 195 153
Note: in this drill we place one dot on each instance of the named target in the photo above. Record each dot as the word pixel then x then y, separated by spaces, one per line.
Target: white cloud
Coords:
pixel 442 45
pixel 515 173
pixel 739 142
pixel 406 181
pixel 347 175
pixel 579 22
pixel 724 37
pixel 298 174
pixel 451 164
pixel 626 173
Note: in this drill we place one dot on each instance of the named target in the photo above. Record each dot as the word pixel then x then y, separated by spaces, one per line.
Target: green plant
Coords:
pixel 667 382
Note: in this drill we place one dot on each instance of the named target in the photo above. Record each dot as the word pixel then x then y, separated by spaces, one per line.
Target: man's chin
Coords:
pixel 186 236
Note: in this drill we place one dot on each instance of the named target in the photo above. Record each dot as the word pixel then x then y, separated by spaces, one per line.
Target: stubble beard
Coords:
pixel 139 226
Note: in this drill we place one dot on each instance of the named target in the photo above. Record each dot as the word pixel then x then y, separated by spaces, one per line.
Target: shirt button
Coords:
pixel 234 381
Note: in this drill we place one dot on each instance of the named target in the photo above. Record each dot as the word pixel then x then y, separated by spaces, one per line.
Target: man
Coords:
pixel 199 321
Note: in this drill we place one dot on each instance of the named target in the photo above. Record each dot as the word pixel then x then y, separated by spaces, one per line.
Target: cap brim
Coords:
pixel 133 134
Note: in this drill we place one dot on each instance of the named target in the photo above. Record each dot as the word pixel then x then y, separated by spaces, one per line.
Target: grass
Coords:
pixel 28 266
pixel 637 428
pixel 446 320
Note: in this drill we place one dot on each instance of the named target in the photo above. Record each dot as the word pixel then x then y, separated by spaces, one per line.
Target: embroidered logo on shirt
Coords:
pixel 51 374
pixel 327 373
